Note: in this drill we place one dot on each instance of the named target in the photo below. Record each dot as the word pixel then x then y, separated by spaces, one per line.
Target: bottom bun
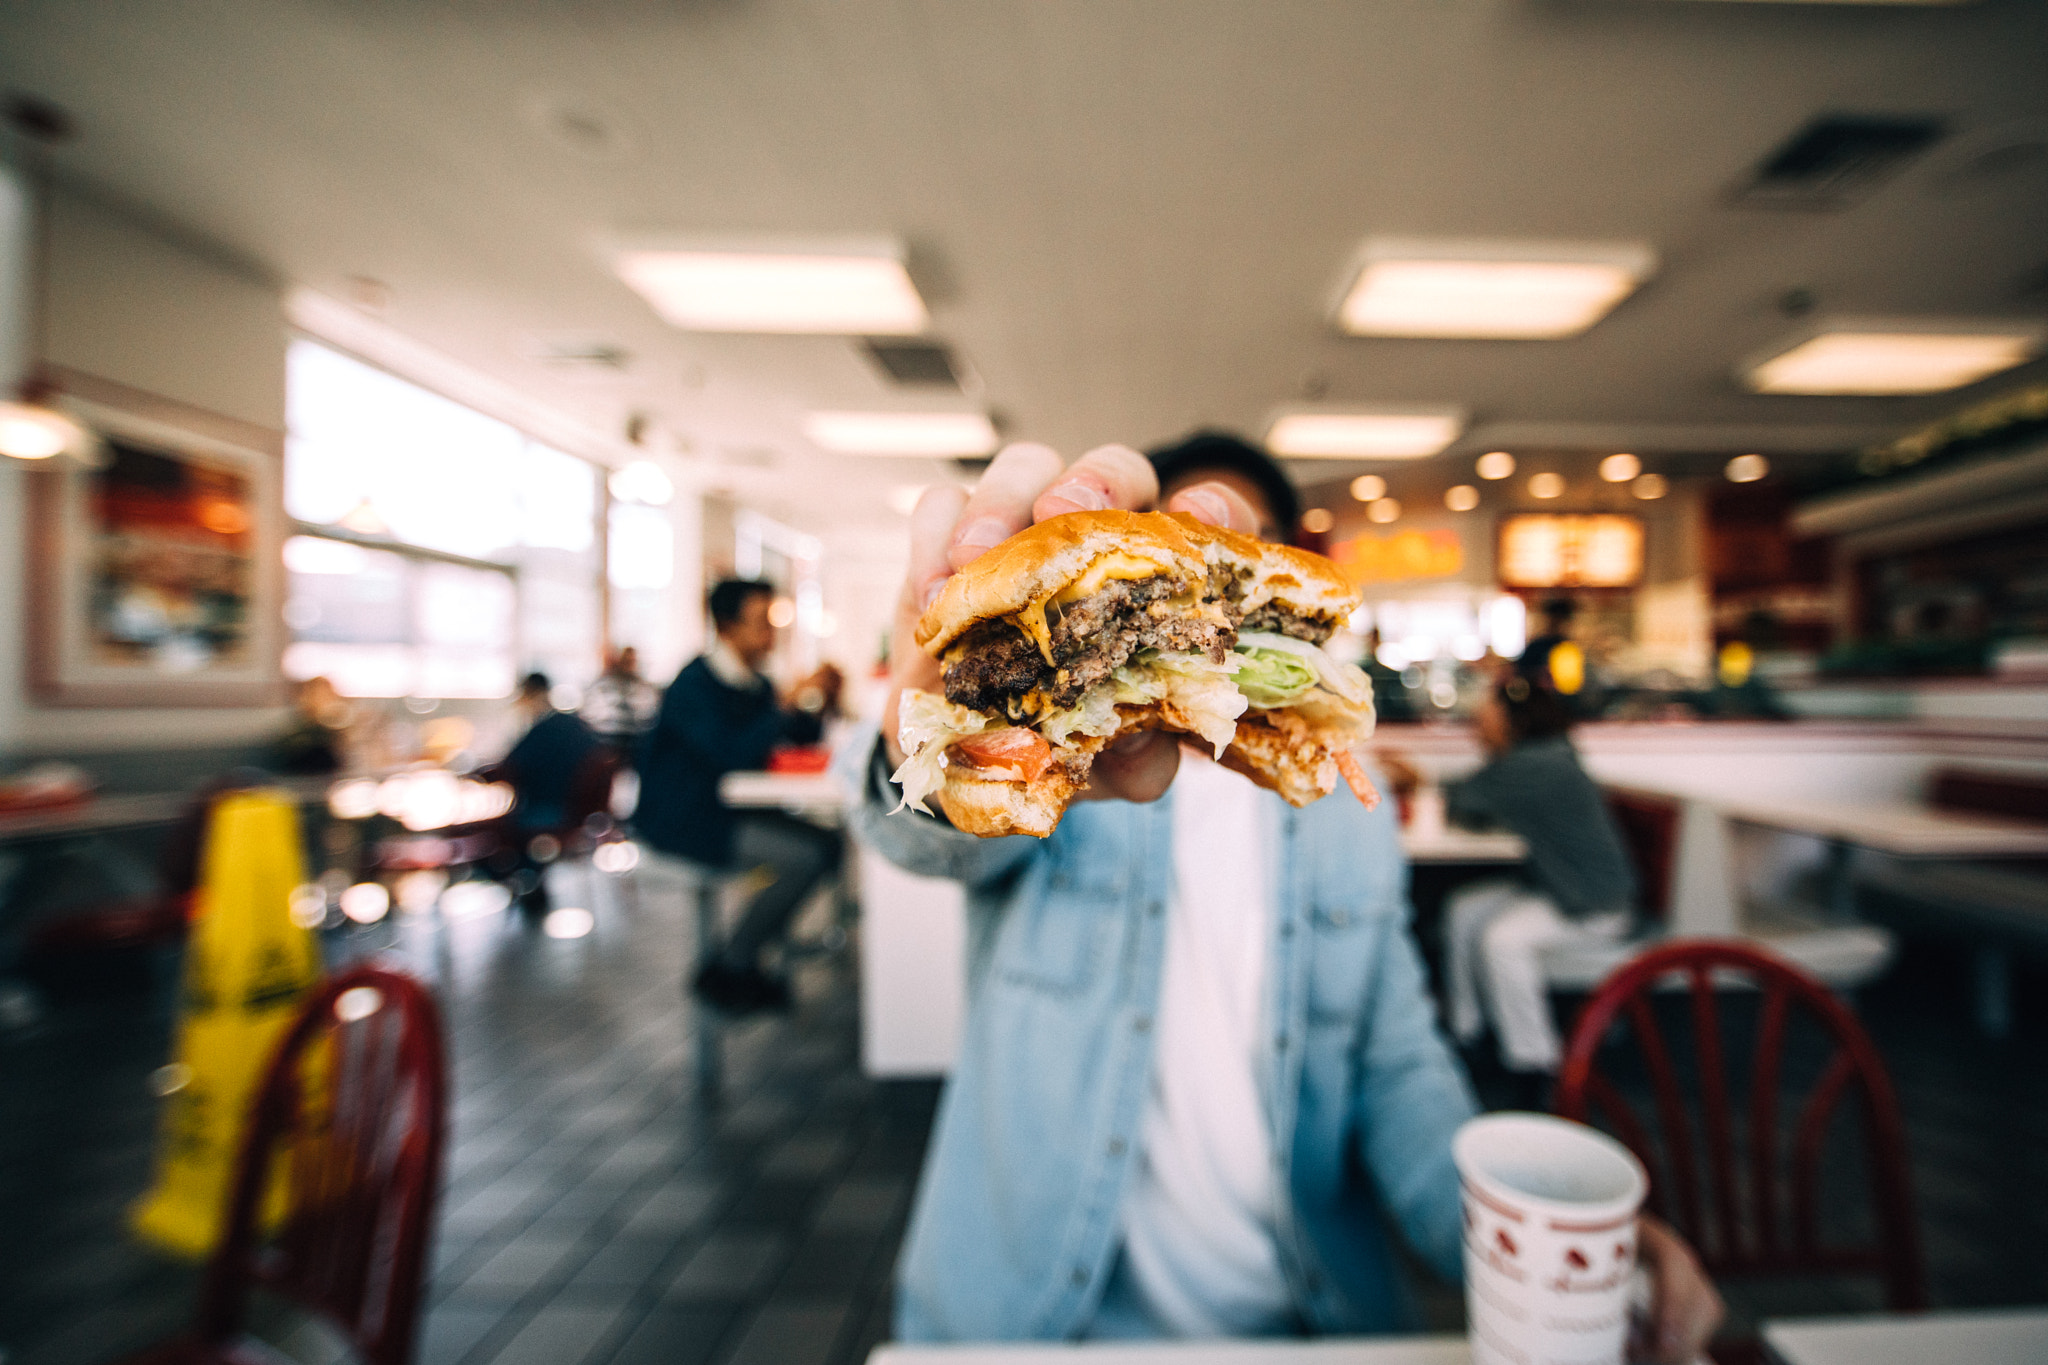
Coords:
pixel 988 808
pixel 1294 765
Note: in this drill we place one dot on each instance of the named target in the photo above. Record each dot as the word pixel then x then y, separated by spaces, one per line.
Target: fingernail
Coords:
pixel 980 534
pixel 1205 506
pixel 1081 493
pixel 931 594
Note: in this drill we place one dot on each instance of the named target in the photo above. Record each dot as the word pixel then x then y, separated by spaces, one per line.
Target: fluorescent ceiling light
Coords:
pixel 936 434
pixel 1363 435
pixel 845 290
pixel 1419 287
pixel 1894 357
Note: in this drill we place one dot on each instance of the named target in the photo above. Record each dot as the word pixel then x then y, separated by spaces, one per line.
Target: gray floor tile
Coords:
pixel 791 1332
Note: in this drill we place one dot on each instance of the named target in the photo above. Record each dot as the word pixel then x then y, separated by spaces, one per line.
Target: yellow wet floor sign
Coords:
pixel 246 965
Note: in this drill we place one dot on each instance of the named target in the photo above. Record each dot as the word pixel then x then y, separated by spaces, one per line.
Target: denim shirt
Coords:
pixel 1015 1229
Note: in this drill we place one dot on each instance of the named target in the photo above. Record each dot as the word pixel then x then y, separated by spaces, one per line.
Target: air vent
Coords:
pixel 915 364
pixel 1835 159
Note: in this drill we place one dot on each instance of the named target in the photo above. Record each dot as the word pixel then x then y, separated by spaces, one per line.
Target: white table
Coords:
pixel 2016 1336
pixel 1330 1351
pixel 1449 844
pixel 1903 829
pixel 804 793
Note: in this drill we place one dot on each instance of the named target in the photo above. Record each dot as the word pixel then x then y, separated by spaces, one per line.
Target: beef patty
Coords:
pixel 995 661
pixel 1278 621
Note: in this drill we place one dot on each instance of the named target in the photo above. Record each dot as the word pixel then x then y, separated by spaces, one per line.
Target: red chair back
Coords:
pixel 1740 1208
pixel 590 790
pixel 351 1111
pixel 1649 829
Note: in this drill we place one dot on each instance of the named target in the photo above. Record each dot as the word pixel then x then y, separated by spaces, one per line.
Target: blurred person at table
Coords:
pixel 620 705
pixel 1580 882
pixel 1200 1080
pixel 722 715
pixel 541 769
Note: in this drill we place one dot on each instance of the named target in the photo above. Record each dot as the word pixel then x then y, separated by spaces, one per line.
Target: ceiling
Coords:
pixel 1129 219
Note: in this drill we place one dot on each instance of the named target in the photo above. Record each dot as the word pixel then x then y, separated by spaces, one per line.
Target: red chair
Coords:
pixel 1734 1208
pixel 362 1157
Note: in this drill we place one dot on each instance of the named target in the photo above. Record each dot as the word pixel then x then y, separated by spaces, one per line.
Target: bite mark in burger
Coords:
pixel 1092 624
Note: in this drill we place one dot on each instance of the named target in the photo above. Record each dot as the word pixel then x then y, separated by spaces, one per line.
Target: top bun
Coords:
pixel 1040 560
pixel 1294 580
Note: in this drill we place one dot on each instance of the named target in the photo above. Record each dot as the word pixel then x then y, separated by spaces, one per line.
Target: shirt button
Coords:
pixel 1281 1042
pixel 1116 1146
pixel 1142 1024
pixel 1287 929
pixel 1080 1275
pixel 1156 907
pixel 1340 918
pixel 1313 1281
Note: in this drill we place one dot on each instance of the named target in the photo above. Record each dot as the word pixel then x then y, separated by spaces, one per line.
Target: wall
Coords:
pixel 128 303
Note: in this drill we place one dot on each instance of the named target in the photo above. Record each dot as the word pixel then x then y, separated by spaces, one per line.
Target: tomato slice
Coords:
pixel 1012 754
pixel 1354 775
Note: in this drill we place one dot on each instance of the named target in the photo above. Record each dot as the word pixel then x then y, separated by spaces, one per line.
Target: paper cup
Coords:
pixel 1550 1239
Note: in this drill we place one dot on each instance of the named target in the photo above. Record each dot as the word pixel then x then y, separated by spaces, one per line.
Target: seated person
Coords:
pixel 1200 1076
pixel 620 705
pixel 1580 880
pixel 721 715
pixel 541 769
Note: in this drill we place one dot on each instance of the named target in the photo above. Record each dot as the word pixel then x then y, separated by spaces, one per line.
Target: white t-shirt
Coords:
pixel 1199 1217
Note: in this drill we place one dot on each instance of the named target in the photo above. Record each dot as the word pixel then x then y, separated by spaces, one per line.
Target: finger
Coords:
pixel 931 529
pixel 1107 476
pixel 1218 505
pixel 1001 503
pixel 1135 767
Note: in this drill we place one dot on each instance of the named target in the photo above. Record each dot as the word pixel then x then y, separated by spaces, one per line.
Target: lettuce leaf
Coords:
pixel 1198 690
pixel 1272 677
pixel 926 724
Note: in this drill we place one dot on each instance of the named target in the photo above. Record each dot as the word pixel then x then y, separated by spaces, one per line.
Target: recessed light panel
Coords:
pixel 1363 435
pixel 1901 358
pixel 932 434
pixel 841 292
pixel 1409 287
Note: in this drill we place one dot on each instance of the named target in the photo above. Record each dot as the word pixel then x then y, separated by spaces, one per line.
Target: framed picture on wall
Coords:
pixel 155 578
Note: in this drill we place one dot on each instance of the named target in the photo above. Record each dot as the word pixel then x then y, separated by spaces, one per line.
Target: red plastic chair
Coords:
pixel 1740 1227
pixel 362 1158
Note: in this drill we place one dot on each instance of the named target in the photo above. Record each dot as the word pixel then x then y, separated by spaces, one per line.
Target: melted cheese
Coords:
pixel 1117 564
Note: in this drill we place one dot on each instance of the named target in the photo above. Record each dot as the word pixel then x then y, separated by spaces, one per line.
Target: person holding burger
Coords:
pixel 1200 1061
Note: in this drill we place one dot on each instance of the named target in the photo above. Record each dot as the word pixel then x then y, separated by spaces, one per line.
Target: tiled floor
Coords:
pixel 596 1210
pixel 597 1213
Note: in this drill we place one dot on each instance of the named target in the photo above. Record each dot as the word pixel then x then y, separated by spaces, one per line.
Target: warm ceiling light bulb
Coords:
pixel 1620 468
pixel 1383 511
pixel 1317 520
pixel 1546 485
pixel 1495 464
pixel 1747 468
pixel 30 431
pixel 1368 487
pixel 1461 497
pixel 1649 487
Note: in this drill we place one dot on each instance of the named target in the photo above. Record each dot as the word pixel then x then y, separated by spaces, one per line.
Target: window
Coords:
pixel 441 552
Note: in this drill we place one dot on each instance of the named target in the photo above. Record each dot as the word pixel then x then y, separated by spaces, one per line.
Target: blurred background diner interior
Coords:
pixel 361 359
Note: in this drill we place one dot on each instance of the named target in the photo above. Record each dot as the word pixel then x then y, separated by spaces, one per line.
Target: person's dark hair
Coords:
pixel 535 683
pixel 729 598
pixel 1534 710
pixel 1207 450
pixel 1558 610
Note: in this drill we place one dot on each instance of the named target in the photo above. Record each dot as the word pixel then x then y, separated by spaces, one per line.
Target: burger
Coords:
pixel 1094 624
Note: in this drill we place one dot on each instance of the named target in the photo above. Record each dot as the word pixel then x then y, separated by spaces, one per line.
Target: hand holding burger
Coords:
pixel 1070 652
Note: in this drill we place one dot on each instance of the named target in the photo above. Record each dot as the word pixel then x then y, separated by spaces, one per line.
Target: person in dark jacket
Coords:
pixel 721 715
pixel 541 769
pixel 1580 881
